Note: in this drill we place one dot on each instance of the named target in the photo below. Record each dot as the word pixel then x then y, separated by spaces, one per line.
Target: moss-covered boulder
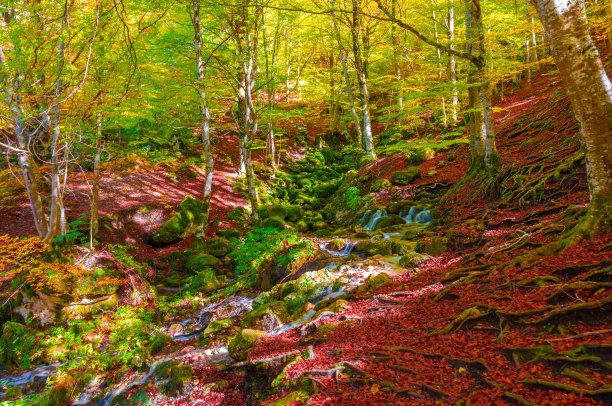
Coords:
pixel 268 317
pixel 390 220
pixel 412 259
pixel 403 206
pixel 176 376
pixel 381 247
pixel 242 343
pixel 204 281
pixel 403 178
pixel 230 234
pixel 291 398
pixel 273 211
pixel 239 214
pixel 217 326
pixel 201 262
pixel 273 222
pixel 335 307
pixel 219 247
pixel 380 184
pixel 380 280
pixel 181 225
pixel 432 245
pixel 325 190
pixel 294 213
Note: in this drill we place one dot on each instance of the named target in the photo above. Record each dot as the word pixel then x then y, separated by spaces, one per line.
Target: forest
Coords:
pixel 305 202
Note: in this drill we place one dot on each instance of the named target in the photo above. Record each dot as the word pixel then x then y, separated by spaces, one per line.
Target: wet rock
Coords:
pixel 218 326
pixel 242 343
pixel 268 317
pixel 175 329
pixel 219 247
pixel 201 262
pixel 391 220
pixel 383 247
pixel 40 307
pixel 404 178
pixel 380 184
pixel 377 281
pixel 335 307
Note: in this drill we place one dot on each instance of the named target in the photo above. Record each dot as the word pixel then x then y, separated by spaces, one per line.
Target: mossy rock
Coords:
pixel 174 280
pixel 336 245
pixel 380 184
pixel 412 259
pixel 335 307
pixel 402 206
pixel 176 375
pixel 13 392
pixel 273 222
pixel 202 262
pixel 181 225
pixel 294 213
pixel 380 280
pixel 239 214
pixel 267 317
pixel 242 343
pixel 325 329
pixel 273 211
pixel 219 247
pixel 217 326
pixel 432 245
pixel 229 234
pixel 158 342
pixel 297 396
pixel 302 226
pixel 298 299
pixel 390 220
pixel 204 281
pixel 381 247
pixel 325 190
pixel 407 177
pixel 19 345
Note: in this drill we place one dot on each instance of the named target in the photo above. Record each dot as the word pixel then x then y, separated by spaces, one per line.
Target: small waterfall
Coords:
pixel 362 222
pixel 410 216
pixel 344 252
pixel 423 217
pixel 374 220
pixel 416 215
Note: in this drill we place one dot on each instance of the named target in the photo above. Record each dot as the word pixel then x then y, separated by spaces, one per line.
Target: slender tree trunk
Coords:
pixel 396 66
pixel 200 234
pixel 358 132
pixel 482 136
pixel 271 98
pixel 590 92
pixel 56 216
pixel 440 70
pixel 95 190
pixel 452 67
pixel 361 69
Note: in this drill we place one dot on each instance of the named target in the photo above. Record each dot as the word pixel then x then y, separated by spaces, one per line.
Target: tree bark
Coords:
pixel 95 190
pixel 452 67
pixel 202 225
pixel 590 92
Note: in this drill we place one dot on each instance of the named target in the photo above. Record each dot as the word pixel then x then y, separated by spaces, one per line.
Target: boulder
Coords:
pixel 181 225
pixel 241 344
pixel 219 247
pixel 381 247
pixel 432 245
pixel 217 326
pixel 205 280
pixel 325 190
pixel 201 262
pixel 375 282
pixel 273 222
pixel 294 213
pixel 268 317
pixel 273 211
pixel 413 259
pixel 403 178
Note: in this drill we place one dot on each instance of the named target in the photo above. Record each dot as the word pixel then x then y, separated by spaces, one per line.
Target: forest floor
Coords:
pixel 496 319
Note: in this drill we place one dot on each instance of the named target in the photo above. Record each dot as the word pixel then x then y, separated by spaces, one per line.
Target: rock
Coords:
pixel 242 342
pixel 413 259
pixel 201 262
pixel 205 281
pixel 219 247
pixel 403 178
pixel 175 374
pixel 336 307
pixel 390 220
pixel 325 329
pixel 273 211
pixel 268 317
pixel 325 190
pixel 13 392
pixel 216 326
pixel 380 184
pixel 40 307
pixel 273 222
pixel 431 173
pixel 229 234
pixel 239 214
pixel 294 213
pixel 382 247
pixel 375 282
pixel 89 307
pixel 19 345
pixel 336 245
pixel 181 225
pixel 432 245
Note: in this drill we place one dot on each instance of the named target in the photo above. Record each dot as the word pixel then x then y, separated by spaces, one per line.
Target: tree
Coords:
pixel 590 92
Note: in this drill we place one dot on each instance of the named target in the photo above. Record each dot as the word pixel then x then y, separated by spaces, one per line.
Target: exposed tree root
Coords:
pixel 518 399
pixel 471 313
pixel 596 394
pixel 558 311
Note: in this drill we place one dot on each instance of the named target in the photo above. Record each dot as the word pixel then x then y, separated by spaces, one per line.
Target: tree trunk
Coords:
pixel 482 136
pixel 440 70
pixel 590 92
pixel 361 68
pixel 396 66
pixel 200 234
pixel 95 190
pixel 452 67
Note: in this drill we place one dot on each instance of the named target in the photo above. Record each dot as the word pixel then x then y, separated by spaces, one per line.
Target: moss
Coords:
pixel 382 247
pixel 202 262
pixel 242 342
pixel 278 309
pixel 380 184
pixel 159 342
pixel 391 220
pixel 19 345
pixel 229 234
pixel 273 211
pixel 273 222
pixel 297 396
pixel 432 245
pixel 325 190
pixel 219 247
pixel 294 213
pixel 375 282
pixel 335 307
pixel 217 326
pixel 239 214
pixel 325 329
pixel 403 178
pixel 181 224
pixel 13 392
pixel 412 259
